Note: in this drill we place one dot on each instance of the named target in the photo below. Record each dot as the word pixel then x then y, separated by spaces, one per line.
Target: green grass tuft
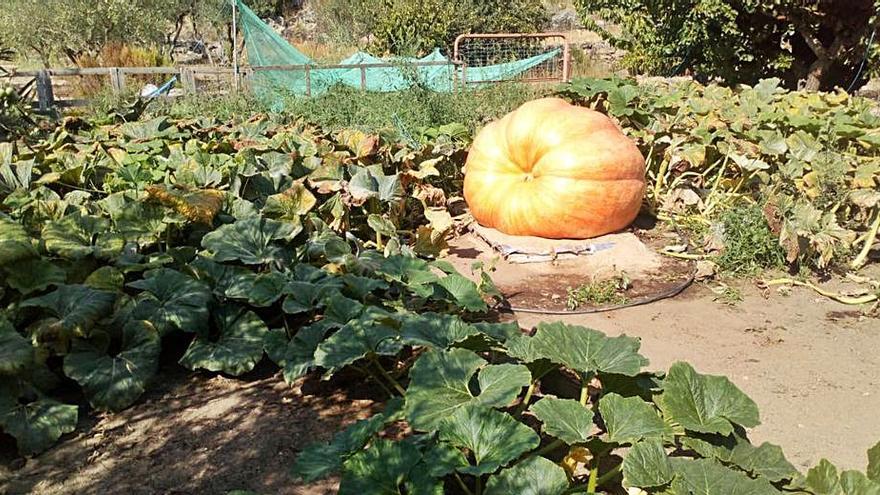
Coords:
pixel 603 293
pixel 749 244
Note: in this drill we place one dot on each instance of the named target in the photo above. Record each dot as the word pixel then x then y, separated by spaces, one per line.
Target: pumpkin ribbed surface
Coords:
pixel 555 170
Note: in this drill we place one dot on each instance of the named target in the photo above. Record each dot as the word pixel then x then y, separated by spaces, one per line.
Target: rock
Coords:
pixel 565 20
pixel 705 270
pixel 870 90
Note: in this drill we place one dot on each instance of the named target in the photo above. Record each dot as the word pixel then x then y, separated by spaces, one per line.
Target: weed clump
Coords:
pixel 749 244
pixel 599 293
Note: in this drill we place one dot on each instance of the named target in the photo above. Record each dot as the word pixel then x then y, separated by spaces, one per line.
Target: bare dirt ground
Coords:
pixel 811 365
pixel 194 434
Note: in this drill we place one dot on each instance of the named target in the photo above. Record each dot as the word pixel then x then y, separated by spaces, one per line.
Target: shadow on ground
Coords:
pixel 194 433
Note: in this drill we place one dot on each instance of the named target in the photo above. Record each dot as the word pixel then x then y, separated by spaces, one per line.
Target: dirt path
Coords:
pixel 193 434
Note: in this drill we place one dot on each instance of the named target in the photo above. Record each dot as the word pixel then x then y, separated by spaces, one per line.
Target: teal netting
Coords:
pixel 266 48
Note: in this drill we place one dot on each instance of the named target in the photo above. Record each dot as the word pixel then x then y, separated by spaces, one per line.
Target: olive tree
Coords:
pixel 820 43
pixel 70 28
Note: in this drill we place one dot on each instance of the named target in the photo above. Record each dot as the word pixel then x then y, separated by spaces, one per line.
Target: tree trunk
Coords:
pixel 816 73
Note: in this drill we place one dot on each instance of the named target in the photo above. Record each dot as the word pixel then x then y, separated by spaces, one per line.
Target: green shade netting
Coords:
pixel 266 48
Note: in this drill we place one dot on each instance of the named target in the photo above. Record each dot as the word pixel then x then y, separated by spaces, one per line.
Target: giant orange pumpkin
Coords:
pixel 555 170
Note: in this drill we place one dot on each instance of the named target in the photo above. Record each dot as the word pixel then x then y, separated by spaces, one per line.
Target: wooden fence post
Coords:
pixel 189 81
pixel 45 96
pixel 363 78
pixel 308 80
pixel 117 79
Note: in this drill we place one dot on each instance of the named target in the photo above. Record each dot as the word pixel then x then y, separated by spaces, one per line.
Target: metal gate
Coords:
pixel 473 51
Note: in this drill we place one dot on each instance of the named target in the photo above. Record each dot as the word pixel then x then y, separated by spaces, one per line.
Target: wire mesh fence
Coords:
pixel 550 51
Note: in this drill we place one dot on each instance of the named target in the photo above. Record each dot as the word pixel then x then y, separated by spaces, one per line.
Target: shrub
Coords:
pixel 416 28
pixel 118 55
pixel 821 42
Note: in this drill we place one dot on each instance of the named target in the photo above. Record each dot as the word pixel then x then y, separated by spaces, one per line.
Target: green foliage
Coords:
pixel 238 240
pixel 809 159
pixel 602 293
pixel 411 112
pixel 72 27
pixel 35 422
pixel 282 239
pixel 416 28
pixel 740 41
pixel 683 431
pixel 114 382
pixel 565 419
pixel 14 111
pixel 749 244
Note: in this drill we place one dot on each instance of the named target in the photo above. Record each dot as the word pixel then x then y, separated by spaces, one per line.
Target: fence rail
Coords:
pixel 47 97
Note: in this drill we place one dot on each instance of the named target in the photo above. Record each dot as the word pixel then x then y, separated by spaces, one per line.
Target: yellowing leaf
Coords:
pixel 292 203
pixel 199 206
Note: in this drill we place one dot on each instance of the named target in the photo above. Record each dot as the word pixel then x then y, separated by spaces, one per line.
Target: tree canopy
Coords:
pixel 820 43
pixel 71 28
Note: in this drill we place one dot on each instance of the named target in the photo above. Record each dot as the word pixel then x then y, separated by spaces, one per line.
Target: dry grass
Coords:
pixel 324 52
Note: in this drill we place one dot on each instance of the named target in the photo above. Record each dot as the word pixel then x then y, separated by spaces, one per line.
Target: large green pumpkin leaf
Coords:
pixel 106 278
pixel 267 288
pixel 381 469
pixel 354 341
pixel 77 307
pixel 823 479
pixel 855 483
pixel 361 287
pixel 135 219
pixel 533 476
pixel 708 477
pixel 342 310
pixel 439 385
pixel 565 419
pixel 172 300
pixel 37 424
pixel 873 471
pixel 499 332
pixel 435 330
pixel 115 382
pixel 493 438
pixel 414 273
pixel 143 130
pixel 15 244
pixel 630 419
pixel 310 289
pixel 766 460
pixel 251 241
pixel 321 459
pixel 34 275
pixel 464 292
pixel 705 403
pixel 646 465
pixel 234 282
pixel 442 459
pixel 77 236
pixel 235 347
pixel 296 356
pixel 581 349
pixel 16 352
